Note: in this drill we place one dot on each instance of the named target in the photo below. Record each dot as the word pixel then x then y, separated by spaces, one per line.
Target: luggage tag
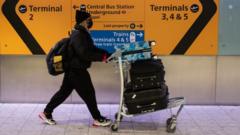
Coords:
pixel 57 59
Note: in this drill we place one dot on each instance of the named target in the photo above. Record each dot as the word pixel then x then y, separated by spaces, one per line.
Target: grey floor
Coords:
pixel 74 119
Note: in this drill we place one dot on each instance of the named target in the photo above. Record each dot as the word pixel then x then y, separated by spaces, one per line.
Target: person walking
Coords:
pixel 77 77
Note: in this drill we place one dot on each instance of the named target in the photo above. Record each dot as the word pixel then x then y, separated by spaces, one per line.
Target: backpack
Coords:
pixel 58 58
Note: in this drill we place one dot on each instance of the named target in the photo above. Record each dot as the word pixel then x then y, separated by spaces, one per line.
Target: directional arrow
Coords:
pixel 140 34
pixel 209 9
pixel 75 7
pixel 9 11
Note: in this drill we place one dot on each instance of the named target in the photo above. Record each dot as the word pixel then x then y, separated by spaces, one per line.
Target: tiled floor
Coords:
pixel 22 119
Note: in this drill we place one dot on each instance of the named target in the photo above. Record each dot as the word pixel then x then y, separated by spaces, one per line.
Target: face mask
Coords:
pixel 89 24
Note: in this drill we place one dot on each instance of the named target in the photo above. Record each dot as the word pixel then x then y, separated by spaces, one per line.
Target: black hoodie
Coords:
pixel 83 49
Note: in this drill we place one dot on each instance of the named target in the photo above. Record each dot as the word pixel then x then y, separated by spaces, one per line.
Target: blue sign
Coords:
pixel 112 39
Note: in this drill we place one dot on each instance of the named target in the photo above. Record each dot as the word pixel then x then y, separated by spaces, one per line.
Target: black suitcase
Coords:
pixel 144 101
pixel 146 74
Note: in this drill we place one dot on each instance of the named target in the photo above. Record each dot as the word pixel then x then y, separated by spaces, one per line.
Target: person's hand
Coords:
pixel 105 57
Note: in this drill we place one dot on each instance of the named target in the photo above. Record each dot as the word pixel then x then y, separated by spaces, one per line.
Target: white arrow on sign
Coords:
pixel 140 34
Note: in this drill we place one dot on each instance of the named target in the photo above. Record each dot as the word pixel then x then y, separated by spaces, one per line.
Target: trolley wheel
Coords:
pixel 168 121
pixel 116 115
pixel 114 127
pixel 171 125
pixel 173 118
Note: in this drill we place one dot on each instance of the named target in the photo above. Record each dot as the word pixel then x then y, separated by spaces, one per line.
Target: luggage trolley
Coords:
pixel 124 57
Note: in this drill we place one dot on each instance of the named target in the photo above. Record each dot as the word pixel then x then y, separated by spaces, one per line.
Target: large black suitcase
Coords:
pixel 144 101
pixel 147 74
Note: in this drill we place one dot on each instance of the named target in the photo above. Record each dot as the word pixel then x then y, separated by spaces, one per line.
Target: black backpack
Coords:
pixel 58 58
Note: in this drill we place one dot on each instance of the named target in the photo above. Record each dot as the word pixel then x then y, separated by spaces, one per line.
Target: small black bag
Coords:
pixel 147 74
pixel 58 57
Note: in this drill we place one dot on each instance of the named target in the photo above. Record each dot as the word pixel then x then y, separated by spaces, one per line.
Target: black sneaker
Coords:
pixel 47 118
pixel 102 122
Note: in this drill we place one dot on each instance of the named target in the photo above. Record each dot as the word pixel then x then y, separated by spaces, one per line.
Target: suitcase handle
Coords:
pixel 147 77
pixel 146 106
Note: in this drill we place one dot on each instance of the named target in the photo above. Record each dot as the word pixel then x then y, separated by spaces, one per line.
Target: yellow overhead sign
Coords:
pixel 185 27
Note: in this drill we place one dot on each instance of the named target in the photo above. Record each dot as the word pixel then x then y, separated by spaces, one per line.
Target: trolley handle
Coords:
pixel 136 51
pixel 119 53
pixel 114 56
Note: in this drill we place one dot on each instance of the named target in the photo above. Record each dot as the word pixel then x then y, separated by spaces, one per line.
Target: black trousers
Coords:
pixel 80 80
